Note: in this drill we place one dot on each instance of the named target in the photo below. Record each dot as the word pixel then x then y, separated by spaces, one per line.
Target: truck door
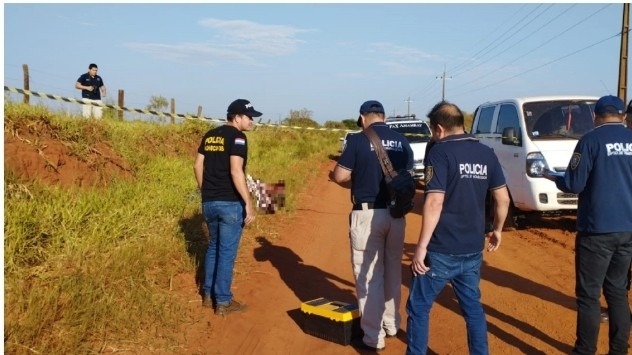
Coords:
pixel 512 157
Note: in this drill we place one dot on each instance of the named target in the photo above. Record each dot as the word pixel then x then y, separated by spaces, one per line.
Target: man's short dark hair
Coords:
pixel 92 65
pixel 447 114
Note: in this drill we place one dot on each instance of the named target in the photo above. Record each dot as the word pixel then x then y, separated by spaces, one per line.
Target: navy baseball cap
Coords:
pixel 609 104
pixel 243 107
pixel 369 106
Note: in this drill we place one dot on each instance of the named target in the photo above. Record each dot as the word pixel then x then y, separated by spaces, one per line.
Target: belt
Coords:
pixel 368 206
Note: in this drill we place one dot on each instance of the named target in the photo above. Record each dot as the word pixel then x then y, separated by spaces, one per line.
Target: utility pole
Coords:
pixel 443 77
pixel 408 100
pixel 623 58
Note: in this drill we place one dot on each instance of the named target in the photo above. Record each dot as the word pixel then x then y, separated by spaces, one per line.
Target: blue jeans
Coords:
pixel 225 223
pixel 602 261
pixel 464 274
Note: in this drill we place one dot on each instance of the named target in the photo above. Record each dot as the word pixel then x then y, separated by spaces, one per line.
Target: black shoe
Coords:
pixel 361 346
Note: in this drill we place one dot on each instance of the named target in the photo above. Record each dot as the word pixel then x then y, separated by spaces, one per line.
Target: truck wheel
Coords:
pixel 511 222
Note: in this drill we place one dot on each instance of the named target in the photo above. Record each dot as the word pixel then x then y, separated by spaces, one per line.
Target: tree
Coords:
pixel 351 123
pixel 158 103
pixel 335 124
pixel 468 118
pixel 301 118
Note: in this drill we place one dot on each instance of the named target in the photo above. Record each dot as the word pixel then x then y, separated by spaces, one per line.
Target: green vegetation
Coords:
pixel 90 269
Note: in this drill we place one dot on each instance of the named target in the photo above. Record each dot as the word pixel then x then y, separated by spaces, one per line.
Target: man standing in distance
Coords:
pixel 459 173
pixel 92 89
pixel 226 204
pixel 377 239
pixel 600 171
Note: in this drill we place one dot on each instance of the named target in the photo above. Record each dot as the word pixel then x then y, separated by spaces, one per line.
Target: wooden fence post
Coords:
pixel 25 69
pixel 173 110
pixel 121 103
pixel 199 115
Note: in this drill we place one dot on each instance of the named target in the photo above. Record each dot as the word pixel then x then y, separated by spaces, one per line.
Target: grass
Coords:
pixel 88 267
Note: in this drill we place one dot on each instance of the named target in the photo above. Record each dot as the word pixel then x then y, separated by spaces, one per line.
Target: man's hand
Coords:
pixel 547 175
pixel 418 267
pixel 250 214
pixel 494 240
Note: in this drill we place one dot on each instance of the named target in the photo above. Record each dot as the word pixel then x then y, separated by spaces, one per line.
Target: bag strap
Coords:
pixel 382 157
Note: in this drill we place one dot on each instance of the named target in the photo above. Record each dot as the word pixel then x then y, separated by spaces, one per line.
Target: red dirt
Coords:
pixel 41 157
pixel 527 286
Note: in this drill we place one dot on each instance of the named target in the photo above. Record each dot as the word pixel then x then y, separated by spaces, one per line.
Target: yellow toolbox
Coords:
pixel 331 320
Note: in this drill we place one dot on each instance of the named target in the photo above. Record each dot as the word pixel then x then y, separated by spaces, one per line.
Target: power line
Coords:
pixel 475 45
pixel 532 49
pixel 455 69
pixel 430 88
pixel 539 46
pixel 425 88
pixel 504 40
pixel 543 65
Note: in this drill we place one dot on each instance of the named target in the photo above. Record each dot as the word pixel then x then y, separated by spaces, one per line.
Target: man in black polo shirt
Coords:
pixel 377 239
pixel 219 169
pixel 459 173
pixel 92 88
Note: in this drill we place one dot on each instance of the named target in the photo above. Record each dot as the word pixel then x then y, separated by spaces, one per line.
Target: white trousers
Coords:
pixel 92 111
pixel 377 243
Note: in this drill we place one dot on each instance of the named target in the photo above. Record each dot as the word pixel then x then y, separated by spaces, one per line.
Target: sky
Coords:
pixel 324 58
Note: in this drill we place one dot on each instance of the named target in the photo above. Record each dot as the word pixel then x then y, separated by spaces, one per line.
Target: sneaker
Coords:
pixel 231 307
pixel 391 334
pixel 207 301
pixel 604 317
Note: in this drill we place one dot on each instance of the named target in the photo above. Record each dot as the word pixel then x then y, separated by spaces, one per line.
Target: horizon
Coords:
pixel 324 58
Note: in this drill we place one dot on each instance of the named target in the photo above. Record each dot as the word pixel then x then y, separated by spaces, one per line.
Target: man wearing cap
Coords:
pixel 226 205
pixel 599 171
pixel 376 238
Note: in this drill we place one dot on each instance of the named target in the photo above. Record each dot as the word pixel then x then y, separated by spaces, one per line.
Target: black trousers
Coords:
pixel 602 261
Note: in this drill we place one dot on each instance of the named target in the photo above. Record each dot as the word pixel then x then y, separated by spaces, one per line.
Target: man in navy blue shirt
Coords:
pixel 599 171
pixel 377 239
pixel 459 173
pixel 92 88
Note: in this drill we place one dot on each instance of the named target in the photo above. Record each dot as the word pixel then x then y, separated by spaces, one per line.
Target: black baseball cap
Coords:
pixel 629 109
pixel 369 106
pixel 243 107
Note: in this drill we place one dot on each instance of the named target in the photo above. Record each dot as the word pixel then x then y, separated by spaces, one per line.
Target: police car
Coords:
pixel 343 140
pixel 418 134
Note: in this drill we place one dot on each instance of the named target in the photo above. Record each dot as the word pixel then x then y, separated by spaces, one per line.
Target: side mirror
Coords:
pixel 509 136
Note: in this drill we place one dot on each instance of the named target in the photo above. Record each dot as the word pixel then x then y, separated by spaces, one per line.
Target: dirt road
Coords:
pixel 527 287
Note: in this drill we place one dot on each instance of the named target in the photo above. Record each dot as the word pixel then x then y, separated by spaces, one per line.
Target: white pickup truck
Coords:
pixel 529 135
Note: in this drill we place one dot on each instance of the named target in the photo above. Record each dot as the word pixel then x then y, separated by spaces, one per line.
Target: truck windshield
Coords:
pixel 415 132
pixel 563 119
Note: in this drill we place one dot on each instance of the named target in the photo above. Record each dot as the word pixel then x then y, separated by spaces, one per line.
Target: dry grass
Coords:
pixel 89 269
